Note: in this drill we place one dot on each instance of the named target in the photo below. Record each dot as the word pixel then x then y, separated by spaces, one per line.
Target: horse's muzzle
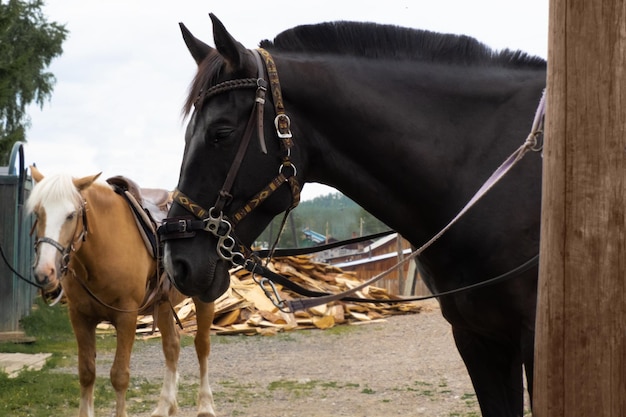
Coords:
pixel 206 279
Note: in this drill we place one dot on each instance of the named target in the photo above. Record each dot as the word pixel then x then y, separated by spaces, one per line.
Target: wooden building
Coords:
pixel 374 257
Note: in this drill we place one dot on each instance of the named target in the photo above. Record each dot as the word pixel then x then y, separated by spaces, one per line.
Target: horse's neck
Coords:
pixel 402 151
pixel 111 228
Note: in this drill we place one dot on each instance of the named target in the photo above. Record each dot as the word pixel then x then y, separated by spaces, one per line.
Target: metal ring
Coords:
pixel 238 258
pixel 227 242
pixel 219 216
pixel 290 165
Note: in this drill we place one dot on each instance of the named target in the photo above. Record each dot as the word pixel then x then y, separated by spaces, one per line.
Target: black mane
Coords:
pixel 373 40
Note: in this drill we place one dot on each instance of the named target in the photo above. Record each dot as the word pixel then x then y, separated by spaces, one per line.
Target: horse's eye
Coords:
pixel 70 216
pixel 220 134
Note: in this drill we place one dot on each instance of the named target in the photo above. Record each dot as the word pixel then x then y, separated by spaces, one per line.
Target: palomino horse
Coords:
pixel 89 243
pixel 407 123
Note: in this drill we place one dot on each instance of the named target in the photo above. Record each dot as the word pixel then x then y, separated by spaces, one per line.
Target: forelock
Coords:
pixel 52 189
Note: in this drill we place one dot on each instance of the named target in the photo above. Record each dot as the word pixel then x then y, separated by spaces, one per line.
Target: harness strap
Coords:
pixel 303 304
pixel 224 195
pixel 304 251
pixel 222 87
pixel 530 144
pixel 260 103
pixel 259 269
pixel 145 226
pixel 262 195
pixel 189 205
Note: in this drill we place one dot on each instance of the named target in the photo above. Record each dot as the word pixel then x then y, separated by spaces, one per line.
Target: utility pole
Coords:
pixel 580 355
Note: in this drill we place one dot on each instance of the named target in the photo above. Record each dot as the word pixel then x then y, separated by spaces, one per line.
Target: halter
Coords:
pixel 214 220
pixel 73 245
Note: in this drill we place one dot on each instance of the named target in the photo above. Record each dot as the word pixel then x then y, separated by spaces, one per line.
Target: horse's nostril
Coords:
pixel 43 277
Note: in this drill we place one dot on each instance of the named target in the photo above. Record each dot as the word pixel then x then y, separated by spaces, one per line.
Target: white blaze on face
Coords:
pixel 57 222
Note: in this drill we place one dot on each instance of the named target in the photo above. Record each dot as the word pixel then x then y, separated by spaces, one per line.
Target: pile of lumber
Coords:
pixel 245 309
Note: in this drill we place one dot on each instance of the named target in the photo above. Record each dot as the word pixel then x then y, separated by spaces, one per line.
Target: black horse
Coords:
pixel 408 124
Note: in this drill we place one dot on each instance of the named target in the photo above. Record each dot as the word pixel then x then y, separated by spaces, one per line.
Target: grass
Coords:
pixel 46 392
pixel 50 392
pixel 37 394
pixel 304 387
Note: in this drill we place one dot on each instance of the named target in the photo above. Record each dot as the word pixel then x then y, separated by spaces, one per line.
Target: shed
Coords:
pixel 379 256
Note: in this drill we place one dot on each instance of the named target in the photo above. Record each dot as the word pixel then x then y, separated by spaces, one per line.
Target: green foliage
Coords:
pixel 51 328
pixel 49 392
pixel 29 43
pixel 48 322
pixel 333 214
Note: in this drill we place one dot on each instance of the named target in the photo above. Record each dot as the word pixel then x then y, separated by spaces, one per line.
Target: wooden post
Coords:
pixel 580 365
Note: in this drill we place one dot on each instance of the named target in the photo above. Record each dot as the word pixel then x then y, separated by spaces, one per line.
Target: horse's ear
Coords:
pixel 84 182
pixel 34 172
pixel 198 49
pixel 232 51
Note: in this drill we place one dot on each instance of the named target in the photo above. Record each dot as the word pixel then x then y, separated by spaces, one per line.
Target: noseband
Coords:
pixel 213 220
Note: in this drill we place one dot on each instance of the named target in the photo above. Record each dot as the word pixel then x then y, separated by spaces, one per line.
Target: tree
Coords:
pixel 29 43
pixel 333 213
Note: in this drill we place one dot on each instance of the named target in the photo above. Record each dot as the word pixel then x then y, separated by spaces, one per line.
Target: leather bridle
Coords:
pixel 213 220
pixel 79 236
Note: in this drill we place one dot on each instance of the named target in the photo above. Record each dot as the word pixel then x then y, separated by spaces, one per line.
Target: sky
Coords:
pixel 125 71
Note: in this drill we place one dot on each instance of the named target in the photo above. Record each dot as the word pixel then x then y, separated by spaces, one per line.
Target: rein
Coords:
pixel 214 221
pixel 533 143
pixel 319 298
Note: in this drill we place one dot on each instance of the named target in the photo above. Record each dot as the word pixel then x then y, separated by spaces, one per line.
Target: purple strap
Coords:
pixel 529 144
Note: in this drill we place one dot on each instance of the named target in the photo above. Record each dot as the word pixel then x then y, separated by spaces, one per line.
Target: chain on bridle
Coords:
pixel 213 220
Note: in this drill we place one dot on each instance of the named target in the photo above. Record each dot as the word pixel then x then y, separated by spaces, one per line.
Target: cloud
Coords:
pixel 125 71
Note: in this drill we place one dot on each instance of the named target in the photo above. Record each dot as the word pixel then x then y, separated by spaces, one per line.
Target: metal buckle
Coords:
pixel 277 121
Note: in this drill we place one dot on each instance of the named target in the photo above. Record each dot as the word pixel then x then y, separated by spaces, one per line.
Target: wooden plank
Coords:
pixel 16 337
pixel 244 308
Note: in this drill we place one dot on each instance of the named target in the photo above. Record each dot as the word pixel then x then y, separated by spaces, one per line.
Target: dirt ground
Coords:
pixel 403 366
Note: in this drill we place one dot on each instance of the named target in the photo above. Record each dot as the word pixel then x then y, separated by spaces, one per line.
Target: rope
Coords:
pixel 6 261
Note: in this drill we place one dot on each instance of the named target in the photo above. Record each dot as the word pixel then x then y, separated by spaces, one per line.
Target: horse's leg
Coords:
pixel 170 339
pixel 126 326
pixel 85 332
pixel 202 341
pixel 496 372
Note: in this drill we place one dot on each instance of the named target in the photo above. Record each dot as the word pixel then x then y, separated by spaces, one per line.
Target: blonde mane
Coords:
pixel 52 188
